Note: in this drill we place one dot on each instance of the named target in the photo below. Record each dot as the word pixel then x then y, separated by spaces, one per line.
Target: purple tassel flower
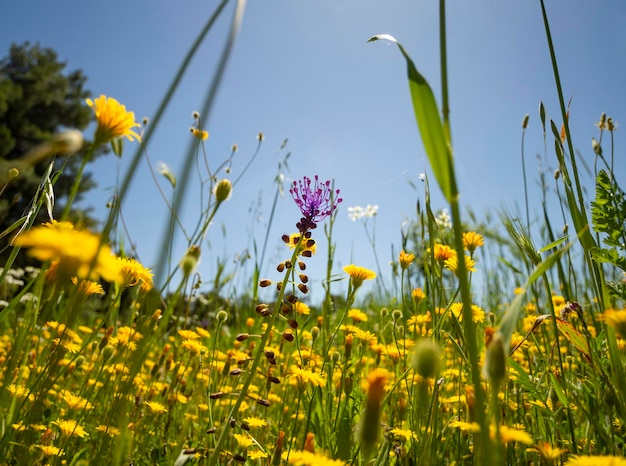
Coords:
pixel 315 202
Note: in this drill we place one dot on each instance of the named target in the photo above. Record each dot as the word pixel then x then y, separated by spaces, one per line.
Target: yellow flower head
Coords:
pixel 70 427
pixel 452 263
pixel 585 460
pixel 357 315
pixel 155 406
pixel 616 319
pixel 405 259
pixel 199 133
pixel 113 120
pixel 358 274
pixel 443 252
pixel 76 253
pixel 472 240
pixel 132 273
pixel 376 381
pixel 418 294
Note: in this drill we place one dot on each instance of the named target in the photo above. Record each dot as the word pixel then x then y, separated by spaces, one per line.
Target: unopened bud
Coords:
pixel 427 358
pixel 494 369
pixel 525 121
pixel 221 316
pixel 223 189
pixel 13 173
pixel 190 260
pixel 68 142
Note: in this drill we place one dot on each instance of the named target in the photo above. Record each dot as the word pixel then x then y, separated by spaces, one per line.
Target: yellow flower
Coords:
pixel 199 133
pixel 453 262
pixel 87 287
pixel 509 435
pixel 155 406
pixel 255 422
pixel 418 294
pixel 308 247
pixel 109 430
pixel 443 252
pixel 357 315
pixel 403 434
pixel 304 376
pixel 77 253
pixel 473 427
pixel 358 274
pixel 257 454
pixel 113 120
pixel 478 315
pixel 616 319
pixel 49 450
pixel 472 240
pixel 244 440
pixel 194 346
pixel 131 273
pixel 75 401
pixel 584 460
pixel 301 308
pixel 549 453
pixel 405 259
pixel 70 427
pixel 306 458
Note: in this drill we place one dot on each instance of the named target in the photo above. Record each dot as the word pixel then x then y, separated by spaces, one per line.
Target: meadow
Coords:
pixel 101 363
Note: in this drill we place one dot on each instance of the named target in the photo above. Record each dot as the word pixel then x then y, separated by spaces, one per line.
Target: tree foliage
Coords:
pixel 38 98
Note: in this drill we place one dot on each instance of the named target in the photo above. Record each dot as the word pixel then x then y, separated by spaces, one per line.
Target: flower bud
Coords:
pixel 223 189
pixel 494 369
pixel 426 358
pixel 68 142
pixel 525 121
pixel 189 262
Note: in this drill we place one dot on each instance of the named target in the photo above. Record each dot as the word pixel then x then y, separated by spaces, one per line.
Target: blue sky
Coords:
pixel 303 71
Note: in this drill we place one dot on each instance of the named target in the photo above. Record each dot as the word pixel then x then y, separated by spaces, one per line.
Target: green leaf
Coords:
pixel 428 121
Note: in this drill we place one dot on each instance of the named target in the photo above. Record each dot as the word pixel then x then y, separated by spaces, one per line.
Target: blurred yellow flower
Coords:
pixel 70 427
pixel 155 406
pixel 452 263
pixel 113 120
pixel 593 460
pixel 199 133
pixel 132 273
pixel 472 240
pixel 77 253
pixel 359 274
pixel 357 315
pixel 405 259
pixel 443 252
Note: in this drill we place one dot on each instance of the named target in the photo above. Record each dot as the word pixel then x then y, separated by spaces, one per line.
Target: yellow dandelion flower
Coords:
pixel 255 422
pixel 75 401
pixel 473 427
pixel 616 319
pixel 478 315
pixel 109 430
pixel 194 346
pixel 358 274
pixel 443 252
pixel 199 133
pixel 405 259
pixel 19 426
pixel 132 273
pixel 306 458
pixel 77 253
pixel 70 427
pixel 418 294
pixel 304 376
pixel 188 334
pixel 301 308
pixel 155 406
pixel 452 263
pixel 87 287
pixel 548 452
pixel 593 460
pixel 243 440
pixel 403 434
pixel 309 247
pixel 49 450
pixel 357 315
pixel 509 435
pixel 202 332
pixel 472 240
pixel 257 454
pixel 113 120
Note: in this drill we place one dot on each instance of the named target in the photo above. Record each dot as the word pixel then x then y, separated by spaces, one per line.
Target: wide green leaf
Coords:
pixel 428 121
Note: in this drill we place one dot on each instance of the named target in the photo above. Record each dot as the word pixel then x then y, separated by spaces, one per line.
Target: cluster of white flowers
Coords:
pixel 443 220
pixel 357 212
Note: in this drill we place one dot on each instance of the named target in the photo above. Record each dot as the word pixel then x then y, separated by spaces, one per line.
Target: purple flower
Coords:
pixel 315 202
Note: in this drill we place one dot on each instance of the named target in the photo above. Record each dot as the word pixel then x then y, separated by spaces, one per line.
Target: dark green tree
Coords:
pixel 38 98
